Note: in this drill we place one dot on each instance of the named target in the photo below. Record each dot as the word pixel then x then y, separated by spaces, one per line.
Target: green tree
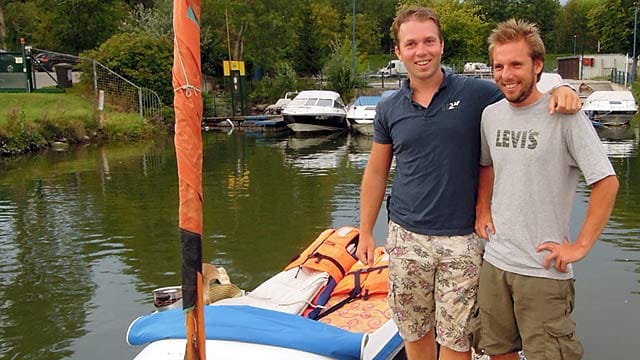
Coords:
pixel 463 29
pixel 25 19
pixel 84 24
pixel 269 41
pixel 3 26
pixel 495 11
pixel 152 20
pixel 338 69
pixel 368 33
pixel 541 12
pixel 307 56
pixel 573 20
pixel 382 11
pixel 326 21
pixel 612 23
pixel 261 32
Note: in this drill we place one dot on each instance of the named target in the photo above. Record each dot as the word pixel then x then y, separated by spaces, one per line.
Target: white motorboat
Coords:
pixel 316 111
pixel 361 113
pixel 276 109
pixel 610 107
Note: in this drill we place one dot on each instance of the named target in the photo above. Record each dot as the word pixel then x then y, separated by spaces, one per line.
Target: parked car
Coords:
pixel 47 60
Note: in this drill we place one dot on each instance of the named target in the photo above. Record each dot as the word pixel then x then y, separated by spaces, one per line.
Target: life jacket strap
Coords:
pixel 356 292
pixel 335 262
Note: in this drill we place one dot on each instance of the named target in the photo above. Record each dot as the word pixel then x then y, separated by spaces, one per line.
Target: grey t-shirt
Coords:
pixel 537 159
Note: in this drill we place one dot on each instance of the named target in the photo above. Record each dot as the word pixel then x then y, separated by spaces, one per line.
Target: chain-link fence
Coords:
pixel 108 86
pixel 124 94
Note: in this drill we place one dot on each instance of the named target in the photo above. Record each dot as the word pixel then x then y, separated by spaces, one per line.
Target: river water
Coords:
pixel 87 234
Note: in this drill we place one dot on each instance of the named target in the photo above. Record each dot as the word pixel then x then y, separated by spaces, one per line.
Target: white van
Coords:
pixel 394 68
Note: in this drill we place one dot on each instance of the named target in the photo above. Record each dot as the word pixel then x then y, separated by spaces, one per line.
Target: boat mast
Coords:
pixel 187 83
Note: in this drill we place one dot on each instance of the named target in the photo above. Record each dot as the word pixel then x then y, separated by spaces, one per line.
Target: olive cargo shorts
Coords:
pixel 519 312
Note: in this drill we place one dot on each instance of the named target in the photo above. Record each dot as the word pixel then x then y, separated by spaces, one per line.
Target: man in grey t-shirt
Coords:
pixel 531 162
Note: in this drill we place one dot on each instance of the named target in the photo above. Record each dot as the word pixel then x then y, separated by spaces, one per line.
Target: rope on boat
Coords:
pixel 187 87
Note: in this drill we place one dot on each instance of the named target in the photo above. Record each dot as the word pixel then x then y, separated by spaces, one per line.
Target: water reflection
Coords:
pixel 619 141
pixel 316 155
pixel 86 235
pixel 621 144
pixel 360 146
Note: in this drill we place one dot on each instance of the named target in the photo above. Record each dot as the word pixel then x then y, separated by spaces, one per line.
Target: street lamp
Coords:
pixel 635 58
pixel 353 39
pixel 574 43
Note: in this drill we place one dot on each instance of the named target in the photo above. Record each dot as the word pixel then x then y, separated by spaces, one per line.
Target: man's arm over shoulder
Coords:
pixel 485 89
pixel 564 99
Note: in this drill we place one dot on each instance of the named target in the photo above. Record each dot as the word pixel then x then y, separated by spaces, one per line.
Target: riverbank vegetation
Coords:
pixel 30 122
pixel 313 38
pixel 285 45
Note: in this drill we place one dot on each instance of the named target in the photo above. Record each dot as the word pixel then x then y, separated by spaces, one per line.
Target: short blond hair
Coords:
pixel 415 12
pixel 516 30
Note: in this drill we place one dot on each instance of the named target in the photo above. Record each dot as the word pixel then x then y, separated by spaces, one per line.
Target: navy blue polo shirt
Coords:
pixel 437 152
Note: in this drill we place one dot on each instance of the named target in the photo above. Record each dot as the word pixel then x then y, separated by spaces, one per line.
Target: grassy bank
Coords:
pixel 29 122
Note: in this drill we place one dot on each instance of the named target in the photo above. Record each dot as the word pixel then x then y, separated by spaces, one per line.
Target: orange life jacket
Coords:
pixel 333 251
pixel 363 281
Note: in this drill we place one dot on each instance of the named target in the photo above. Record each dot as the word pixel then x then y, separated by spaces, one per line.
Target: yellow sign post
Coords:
pixel 235 70
pixel 229 66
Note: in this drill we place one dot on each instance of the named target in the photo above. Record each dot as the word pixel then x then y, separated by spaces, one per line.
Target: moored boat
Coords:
pixel 360 114
pixel 316 111
pixel 610 108
pixel 323 305
pixel 362 111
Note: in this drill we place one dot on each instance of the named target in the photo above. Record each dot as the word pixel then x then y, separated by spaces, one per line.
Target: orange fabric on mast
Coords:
pixel 188 142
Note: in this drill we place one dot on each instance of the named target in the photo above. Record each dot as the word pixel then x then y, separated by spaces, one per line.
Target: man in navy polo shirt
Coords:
pixel 432 127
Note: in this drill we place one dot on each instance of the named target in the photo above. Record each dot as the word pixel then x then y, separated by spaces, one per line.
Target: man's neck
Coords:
pixel 534 97
pixel 424 89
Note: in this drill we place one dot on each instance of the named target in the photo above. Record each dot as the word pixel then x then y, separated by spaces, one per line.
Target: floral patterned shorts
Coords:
pixel 433 281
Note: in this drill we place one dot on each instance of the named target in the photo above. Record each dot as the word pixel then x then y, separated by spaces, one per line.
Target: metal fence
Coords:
pixel 124 94
pixel 621 77
pixel 116 91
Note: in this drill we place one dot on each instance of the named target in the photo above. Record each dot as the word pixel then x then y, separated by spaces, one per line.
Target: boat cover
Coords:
pixel 252 325
pixel 367 100
pixel 289 291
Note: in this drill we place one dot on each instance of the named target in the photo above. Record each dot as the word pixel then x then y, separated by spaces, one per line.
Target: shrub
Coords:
pixel 338 69
pixel 271 88
pixel 143 59
pixel 20 135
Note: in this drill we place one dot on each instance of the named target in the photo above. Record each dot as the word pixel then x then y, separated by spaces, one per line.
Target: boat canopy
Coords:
pixel 252 325
pixel 367 100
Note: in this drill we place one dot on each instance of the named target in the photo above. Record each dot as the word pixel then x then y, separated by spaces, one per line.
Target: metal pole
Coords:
pixel 574 44
pixel 353 39
pixel 635 58
pixel 26 69
pixel 140 102
pixel 95 79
